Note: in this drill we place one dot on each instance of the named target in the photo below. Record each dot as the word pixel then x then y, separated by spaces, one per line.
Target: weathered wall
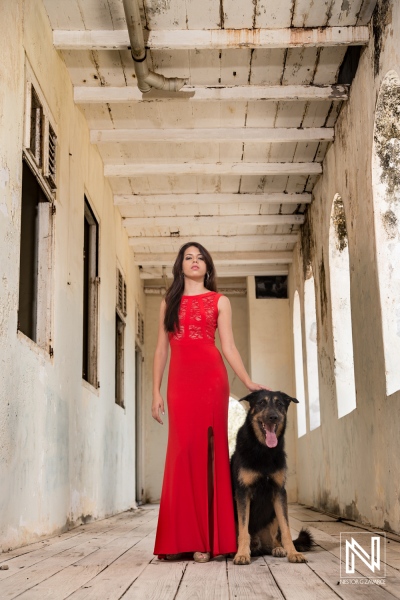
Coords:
pixel 350 465
pixel 66 450
pixel 271 361
pixel 156 436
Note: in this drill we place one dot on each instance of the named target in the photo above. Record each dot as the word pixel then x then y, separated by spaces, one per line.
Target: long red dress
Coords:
pixel 198 396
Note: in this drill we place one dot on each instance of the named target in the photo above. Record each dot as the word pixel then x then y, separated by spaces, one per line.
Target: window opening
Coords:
pixel 312 353
pixel 120 339
pixel 37 220
pixel 339 273
pixel 271 286
pixel 386 193
pixel 119 360
pixel 298 367
pixel 34 305
pixel 91 283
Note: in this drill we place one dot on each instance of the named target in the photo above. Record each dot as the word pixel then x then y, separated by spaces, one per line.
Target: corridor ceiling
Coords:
pixel 231 160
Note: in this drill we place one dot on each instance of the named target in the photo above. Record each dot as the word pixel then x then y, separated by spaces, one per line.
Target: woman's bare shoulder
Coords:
pixel 223 302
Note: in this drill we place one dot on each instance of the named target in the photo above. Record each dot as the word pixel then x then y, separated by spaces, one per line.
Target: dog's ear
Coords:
pixel 252 398
pixel 289 399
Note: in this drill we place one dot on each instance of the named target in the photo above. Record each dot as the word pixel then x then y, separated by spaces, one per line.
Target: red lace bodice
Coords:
pixel 198 316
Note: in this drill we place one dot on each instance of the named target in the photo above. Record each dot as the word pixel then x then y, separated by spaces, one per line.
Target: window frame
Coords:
pixel 120 327
pixel 90 349
pixel 41 335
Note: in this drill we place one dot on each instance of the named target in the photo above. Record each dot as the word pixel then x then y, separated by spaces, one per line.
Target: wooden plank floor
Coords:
pixel 113 559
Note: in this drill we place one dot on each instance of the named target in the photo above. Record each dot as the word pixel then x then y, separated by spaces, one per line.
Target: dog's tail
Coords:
pixel 304 542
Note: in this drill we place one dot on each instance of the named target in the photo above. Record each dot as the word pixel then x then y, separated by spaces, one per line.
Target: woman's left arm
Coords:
pixel 228 346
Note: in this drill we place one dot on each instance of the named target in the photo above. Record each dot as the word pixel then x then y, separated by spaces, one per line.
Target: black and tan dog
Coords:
pixel 258 468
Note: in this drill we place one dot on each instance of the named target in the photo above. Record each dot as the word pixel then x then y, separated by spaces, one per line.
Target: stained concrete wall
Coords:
pixel 66 450
pixel 271 361
pixel 156 436
pixel 350 466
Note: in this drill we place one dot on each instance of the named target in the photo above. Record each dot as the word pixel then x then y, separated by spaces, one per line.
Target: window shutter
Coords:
pixel 141 330
pixel 124 308
pixel 120 291
pixel 139 326
pixel 50 171
pixel 121 294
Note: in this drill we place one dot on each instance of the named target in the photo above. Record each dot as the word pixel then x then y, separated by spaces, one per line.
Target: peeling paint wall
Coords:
pixel 350 466
pixel 67 451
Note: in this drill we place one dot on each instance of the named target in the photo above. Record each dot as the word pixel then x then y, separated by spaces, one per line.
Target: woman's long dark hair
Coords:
pixel 175 291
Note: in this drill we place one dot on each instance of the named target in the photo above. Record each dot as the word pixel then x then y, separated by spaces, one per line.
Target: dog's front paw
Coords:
pixel 241 559
pixel 297 557
pixel 279 552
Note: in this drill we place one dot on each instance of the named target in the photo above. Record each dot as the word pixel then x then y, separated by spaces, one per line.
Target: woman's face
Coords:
pixel 193 265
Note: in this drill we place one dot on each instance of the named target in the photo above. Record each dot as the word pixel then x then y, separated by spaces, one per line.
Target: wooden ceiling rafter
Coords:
pixel 232 270
pixel 219 258
pixel 219 93
pixel 137 169
pixel 214 242
pixel 233 134
pixel 220 198
pixel 256 220
pixel 216 39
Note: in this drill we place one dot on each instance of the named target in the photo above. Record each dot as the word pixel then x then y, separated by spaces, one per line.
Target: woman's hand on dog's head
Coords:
pixel 254 387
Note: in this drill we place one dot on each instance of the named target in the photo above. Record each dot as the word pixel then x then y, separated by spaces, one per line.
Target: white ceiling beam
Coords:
pixel 242 168
pixel 256 220
pixel 218 39
pixel 227 271
pixel 245 93
pixel 172 199
pixel 201 210
pixel 167 259
pixel 237 134
pixel 213 241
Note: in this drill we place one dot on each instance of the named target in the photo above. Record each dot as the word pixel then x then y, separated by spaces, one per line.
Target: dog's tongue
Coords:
pixel 270 436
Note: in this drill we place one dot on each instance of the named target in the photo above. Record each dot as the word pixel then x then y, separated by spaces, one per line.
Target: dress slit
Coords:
pixel 211 476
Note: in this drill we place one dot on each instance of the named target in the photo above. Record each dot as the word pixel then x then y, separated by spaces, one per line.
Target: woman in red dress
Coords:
pixel 196 508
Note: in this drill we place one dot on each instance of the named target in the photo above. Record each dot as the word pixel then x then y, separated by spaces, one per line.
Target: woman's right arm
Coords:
pixel 160 360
